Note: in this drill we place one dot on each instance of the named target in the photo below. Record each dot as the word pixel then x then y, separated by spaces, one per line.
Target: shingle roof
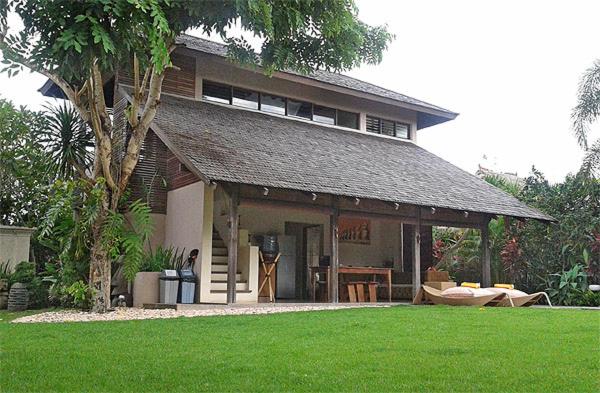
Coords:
pixel 240 146
pixel 336 79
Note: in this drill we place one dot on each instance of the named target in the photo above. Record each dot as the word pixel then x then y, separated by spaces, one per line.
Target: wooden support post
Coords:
pixel 334 262
pixel 233 245
pixel 416 255
pixel 486 265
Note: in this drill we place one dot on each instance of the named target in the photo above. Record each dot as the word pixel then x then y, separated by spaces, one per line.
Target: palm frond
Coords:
pixel 68 140
pixel 587 109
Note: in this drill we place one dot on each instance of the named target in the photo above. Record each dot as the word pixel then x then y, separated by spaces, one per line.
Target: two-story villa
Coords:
pixel 327 163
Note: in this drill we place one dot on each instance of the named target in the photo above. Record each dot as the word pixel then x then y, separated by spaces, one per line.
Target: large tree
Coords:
pixel 78 45
pixel 586 113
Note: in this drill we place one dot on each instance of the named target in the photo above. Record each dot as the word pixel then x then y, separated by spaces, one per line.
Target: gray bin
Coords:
pixel 169 286
pixel 187 288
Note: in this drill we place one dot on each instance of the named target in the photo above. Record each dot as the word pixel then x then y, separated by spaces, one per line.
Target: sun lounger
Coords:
pixel 478 297
pixel 516 298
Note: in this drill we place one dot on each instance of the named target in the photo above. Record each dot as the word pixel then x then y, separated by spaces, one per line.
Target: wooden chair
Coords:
pixel 356 291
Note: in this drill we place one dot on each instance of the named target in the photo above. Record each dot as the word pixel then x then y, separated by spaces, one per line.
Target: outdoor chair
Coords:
pixel 356 291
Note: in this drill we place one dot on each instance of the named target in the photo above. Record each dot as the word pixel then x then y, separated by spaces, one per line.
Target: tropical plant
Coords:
pixel 23 174
pixel 565 288
pixel 586 113
pixel 79 45
pixel 81 294
pixel 69 142
pixel 124 232
pixel 160 258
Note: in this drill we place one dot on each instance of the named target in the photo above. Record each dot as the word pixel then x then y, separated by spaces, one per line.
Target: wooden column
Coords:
pixel 486 265
pixel 233 245
pixel 334 262
pixel 416 254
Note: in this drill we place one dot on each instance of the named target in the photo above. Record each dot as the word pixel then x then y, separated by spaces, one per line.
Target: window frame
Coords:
pixel 380 120
pixel 286 100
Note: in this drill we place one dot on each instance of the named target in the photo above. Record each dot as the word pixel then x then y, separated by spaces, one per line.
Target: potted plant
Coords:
pixel 146 284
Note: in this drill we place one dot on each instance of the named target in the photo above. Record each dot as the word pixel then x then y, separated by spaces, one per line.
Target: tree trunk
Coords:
pixel 100 266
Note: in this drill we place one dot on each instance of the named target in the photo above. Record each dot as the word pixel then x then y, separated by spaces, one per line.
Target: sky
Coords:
pixel 510 68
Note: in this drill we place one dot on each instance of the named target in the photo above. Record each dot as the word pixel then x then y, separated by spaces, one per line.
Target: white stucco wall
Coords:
pixel 14 245
pixel 183 223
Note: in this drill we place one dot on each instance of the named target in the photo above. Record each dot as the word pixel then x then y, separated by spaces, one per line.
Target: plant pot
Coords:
pixel 18 297
pixel 145 288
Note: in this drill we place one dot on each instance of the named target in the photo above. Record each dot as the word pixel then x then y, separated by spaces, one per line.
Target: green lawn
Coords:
pixel 392 349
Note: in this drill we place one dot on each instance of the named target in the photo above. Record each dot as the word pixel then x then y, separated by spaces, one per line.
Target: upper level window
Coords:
pixel 402 130
pixel 245 98
pixel 272 104
pixel 216 92
pixel 388 127
pixel 226 94
pixel 299 109
pixel 323 114
pixel 347 119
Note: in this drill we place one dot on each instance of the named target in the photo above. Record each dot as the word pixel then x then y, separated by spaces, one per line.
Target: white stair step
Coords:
pixel 219 251
pixel 219 259
pixel 218 268
pixel 222 286
pixel 223 276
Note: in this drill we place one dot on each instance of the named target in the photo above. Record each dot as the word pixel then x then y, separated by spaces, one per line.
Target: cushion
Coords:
pixel 515 293
pixel 507 286
pixel 458 292
pixel 470 284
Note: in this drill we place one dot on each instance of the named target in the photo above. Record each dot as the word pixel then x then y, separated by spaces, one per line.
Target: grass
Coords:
pixel 392 349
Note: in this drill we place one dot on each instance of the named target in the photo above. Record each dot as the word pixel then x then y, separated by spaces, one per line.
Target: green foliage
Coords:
pixel 530 254
pixel 586 113
pixel 565 288
pixel 575 203
pixel 81 294
pixel 588 299
pixel 162 258
pixel 126 238
pixel 23 173
pixel 25 273
pixel 68 141
pixel 69 36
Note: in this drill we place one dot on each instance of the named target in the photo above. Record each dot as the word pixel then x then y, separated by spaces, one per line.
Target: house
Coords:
pixel 327 163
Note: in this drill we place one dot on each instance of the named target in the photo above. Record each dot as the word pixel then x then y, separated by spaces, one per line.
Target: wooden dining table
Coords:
pixel 349 270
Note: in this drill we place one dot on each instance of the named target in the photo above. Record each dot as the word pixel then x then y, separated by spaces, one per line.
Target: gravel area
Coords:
pixel 125 314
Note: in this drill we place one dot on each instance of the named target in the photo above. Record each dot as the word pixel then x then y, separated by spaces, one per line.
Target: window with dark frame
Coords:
pixel 270 103
pixel 245 98
pixel 299 109
pixel 216 92
pixel 323 114
pixel 388 127
pixel 347 119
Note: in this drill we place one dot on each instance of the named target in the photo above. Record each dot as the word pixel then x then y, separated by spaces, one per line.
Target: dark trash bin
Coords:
pixel 187 286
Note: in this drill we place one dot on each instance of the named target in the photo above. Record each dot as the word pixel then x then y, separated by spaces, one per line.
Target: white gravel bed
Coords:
pixel 127 314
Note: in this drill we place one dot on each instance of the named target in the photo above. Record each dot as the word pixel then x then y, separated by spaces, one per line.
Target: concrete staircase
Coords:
pixel 218 275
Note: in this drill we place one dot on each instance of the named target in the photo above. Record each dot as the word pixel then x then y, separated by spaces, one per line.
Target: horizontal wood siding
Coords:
pixel 177 174
pixel 180 81
pixel 148 181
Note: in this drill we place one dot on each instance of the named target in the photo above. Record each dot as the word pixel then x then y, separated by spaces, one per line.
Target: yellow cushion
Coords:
pixel 470 284
pixel 505 286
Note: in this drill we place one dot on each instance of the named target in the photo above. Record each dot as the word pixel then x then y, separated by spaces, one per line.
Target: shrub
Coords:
pixel 81 295
pixel 566 288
